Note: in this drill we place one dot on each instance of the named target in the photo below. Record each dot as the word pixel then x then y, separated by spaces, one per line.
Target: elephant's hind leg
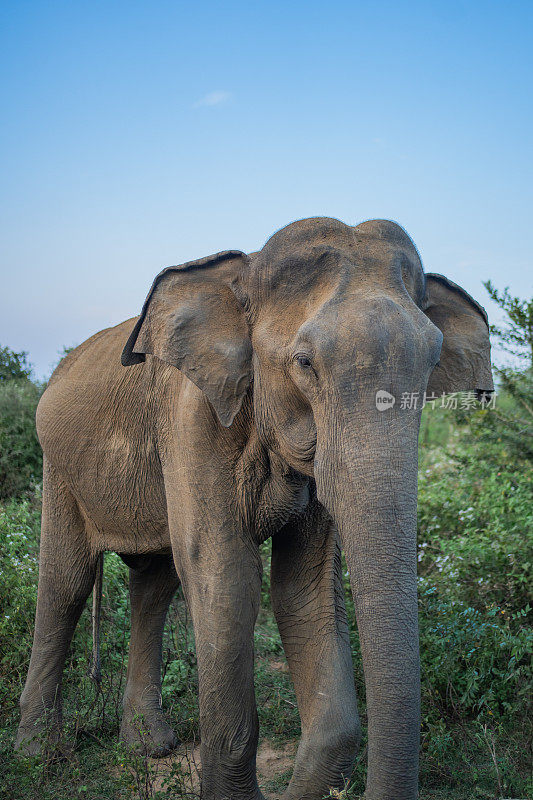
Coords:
pixel 66 577
pixel 153 583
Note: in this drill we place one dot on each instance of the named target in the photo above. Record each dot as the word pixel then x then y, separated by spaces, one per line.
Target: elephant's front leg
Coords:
pixel 308 601
pixel 221 577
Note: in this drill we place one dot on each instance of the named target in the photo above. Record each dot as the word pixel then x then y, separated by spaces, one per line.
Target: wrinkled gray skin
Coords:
pixel 247 412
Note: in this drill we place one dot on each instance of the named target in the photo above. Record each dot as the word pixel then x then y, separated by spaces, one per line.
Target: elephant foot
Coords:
pixel 28 742
pixel 147 731
pixel 37 739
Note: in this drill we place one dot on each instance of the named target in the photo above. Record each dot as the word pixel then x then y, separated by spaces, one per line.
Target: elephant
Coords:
pixel 240 406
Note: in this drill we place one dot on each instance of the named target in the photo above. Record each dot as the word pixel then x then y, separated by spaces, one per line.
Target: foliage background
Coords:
pixel 475 555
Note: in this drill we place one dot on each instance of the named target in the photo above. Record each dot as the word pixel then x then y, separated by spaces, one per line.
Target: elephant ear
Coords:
pixel 192 320
pixel 465 356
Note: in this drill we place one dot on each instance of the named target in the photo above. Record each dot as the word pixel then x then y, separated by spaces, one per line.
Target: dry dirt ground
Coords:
pixel 181 771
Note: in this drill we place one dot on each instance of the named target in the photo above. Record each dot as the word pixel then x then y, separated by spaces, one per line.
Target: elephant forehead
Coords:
pixel 321 254
pixel 305 230
pixel 302 249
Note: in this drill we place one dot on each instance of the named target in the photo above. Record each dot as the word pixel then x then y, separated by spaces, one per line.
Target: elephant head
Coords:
pixel 318 322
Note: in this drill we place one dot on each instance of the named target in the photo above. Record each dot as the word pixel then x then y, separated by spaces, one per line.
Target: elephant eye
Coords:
pixel 303 361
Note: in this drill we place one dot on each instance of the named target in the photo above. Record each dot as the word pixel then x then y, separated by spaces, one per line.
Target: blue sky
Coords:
pixel 141 134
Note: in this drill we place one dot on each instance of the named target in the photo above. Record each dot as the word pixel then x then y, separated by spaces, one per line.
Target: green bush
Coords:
pixel 505 433
pixel 20 451
pixel 19 531
pixel 13 366
pixel 475 557
pixel 475 526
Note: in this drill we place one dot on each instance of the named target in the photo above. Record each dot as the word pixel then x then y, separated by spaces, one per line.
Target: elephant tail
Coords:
pixel 95 671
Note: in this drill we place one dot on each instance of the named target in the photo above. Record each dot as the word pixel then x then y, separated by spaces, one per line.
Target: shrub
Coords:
pixel 20 451
pixel 13 366
pixel 19 530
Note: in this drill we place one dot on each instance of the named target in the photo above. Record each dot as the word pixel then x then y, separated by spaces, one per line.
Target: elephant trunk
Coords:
pixel 370 488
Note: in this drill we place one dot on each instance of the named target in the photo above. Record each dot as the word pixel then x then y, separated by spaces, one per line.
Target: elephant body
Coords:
pixel 244 408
